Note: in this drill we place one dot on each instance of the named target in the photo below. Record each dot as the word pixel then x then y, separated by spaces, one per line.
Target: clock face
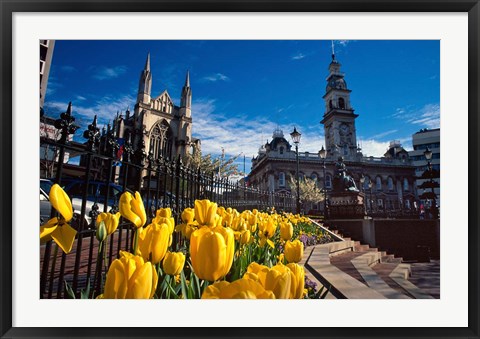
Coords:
pixel 344 129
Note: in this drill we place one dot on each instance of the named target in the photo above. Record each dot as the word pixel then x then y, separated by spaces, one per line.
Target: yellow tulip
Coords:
pixel 111 221
pixel 188 215
pixel 164 215
pixel 298 280
pixel 130 278
pixel 205 212
pixel 293 251
pixel 153 242
pixel 245 237
pixel 239 289
pixel 277 279
pixel 173 263
pixel 131 208
pixel 286 231
pixel 211 252
pixel 58 229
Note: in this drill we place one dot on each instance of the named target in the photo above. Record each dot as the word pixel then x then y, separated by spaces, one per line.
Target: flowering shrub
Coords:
pixel 224 253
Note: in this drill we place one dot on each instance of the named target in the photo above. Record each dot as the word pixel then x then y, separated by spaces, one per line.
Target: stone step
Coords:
pixel 363 265
pixel 343 285
pixel 400 275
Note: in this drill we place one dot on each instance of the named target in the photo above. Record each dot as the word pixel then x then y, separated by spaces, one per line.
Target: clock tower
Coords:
pixel 339 117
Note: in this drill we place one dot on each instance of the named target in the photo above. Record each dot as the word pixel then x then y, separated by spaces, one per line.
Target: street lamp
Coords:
pixel 323 154
pixel 428 155
pixel 371 201
pixel 296 140
pixel 362 189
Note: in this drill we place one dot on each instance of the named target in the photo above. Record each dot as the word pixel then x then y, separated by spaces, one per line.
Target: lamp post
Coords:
pixel 428 155
pixel 296 140
pixel 362 189
pixel 371 201
pixel 323 154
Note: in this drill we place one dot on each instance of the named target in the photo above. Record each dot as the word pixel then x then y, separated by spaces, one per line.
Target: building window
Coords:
pixel 330 104
pixel 345 150
pixel 281 179
pixel 379 183
pixel 405 184
pixel 390 183
pixel 341 103
pixel 380 203
pixel 365 183
pixel 281 150
pixel 407 204
pixel 161 141
pixel 314 177
pixel 328 181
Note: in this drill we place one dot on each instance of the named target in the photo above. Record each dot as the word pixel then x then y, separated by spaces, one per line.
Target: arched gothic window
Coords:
pixel 341 103
pixel 328 181
pixel 379 183
pixel 161 141
pixel 405 184
pixel 281 179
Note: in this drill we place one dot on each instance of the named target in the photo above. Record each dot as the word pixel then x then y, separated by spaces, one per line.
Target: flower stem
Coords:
pixel 135 242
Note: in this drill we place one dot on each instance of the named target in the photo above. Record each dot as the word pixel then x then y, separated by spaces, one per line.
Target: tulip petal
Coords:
pixel 61 202
pixel 64 236
pixel 47 229
pixel 115 284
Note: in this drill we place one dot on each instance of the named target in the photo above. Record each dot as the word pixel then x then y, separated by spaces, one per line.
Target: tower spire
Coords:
pixel 187 79
pixel 147 62
pixel 333 51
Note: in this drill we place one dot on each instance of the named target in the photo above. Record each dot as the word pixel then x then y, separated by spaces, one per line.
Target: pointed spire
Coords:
pixel 147 62
pixel 187 79
pixel 333 51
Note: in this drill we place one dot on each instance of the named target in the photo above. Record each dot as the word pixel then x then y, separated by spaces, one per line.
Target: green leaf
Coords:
pixel 183 284
pixel 69 290
pixel 84 294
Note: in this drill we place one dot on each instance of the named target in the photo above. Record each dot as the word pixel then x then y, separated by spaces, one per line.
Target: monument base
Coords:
pixel 346 205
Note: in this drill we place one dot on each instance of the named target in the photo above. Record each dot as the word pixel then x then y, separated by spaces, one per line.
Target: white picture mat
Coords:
pixel 450 311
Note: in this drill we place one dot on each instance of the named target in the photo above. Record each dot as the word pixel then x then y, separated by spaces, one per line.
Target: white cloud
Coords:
pixel 216 77
pixel 375 148
pixel 102 73
pixel 343 42
pixel 428 116
pixel 84 111
pixel 241 135
pixel 384 134
pixel 298 56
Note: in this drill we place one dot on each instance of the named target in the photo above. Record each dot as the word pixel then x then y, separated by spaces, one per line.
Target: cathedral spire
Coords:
pixel 147 63
pixel 187 79
pixel 145 83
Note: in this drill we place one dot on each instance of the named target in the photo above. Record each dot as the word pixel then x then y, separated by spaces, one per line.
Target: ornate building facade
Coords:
pixel 164 128
pixel 388 181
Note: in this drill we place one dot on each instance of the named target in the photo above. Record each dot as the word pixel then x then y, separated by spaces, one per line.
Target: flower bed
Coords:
pixel 223 253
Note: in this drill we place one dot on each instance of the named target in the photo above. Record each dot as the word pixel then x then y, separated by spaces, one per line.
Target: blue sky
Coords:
pixel 244 89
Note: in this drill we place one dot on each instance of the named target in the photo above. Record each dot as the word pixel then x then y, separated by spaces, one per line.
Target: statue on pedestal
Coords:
pixel 342 182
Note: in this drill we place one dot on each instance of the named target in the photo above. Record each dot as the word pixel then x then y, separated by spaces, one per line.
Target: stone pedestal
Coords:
pixel 346 205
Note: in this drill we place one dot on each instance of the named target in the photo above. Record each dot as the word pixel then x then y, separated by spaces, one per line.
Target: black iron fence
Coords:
pixel 162 183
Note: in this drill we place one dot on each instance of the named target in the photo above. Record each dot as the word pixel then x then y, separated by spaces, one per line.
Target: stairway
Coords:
pixel 356 271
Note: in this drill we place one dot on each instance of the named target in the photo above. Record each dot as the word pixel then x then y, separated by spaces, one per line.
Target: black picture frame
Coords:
pixel 8 7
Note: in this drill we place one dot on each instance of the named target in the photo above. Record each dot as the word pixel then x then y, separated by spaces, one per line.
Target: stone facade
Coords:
pixel 392 176
pixel 164 128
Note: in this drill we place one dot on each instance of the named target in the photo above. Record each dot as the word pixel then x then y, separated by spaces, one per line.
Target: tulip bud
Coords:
pixel 286 231
pixel 205 212
pixel 129 277
pixel 293 251
pixel 211 252
pixel 239 289
pixel 132 208
pixel 188 215
pixel 101 233
pixel 173 263
pixel 245 237
pixel 153 242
